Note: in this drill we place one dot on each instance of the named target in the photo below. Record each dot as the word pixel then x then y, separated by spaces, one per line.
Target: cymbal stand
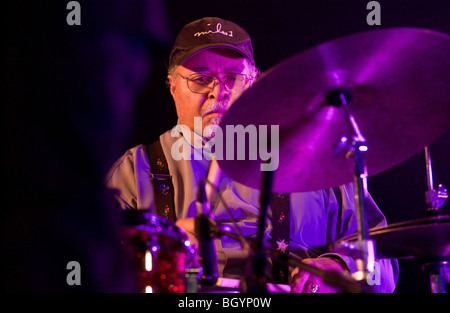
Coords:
pixel 357 147
pixel 434 198
pixel 436 268
pixel 256 282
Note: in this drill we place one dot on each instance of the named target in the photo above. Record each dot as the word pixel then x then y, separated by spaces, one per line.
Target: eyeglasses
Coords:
pixel 205 83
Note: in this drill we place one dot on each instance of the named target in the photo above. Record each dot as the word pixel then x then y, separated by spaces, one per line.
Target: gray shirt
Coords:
pixel 317 219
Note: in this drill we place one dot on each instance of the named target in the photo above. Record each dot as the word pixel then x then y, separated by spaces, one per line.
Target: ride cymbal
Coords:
pixel 398 80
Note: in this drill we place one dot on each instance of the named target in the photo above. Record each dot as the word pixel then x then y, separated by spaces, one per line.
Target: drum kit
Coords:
pixel 346 109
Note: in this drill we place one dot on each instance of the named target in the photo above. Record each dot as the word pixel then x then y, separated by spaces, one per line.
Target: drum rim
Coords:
pixel 439 222
pixel 440 219
pixel 146 221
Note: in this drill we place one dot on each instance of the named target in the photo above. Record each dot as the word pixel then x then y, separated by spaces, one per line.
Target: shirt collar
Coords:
pixel 198 142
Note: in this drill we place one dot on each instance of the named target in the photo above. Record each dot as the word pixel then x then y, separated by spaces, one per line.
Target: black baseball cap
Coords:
pixel 210 32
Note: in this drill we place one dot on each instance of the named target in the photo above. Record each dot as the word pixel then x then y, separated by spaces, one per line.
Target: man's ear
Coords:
pixel 170 82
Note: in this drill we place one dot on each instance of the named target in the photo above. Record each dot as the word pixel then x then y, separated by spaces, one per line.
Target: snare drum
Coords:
pixel 160 250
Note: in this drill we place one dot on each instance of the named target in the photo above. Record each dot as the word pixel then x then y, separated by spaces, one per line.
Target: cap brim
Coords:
pixel 215 45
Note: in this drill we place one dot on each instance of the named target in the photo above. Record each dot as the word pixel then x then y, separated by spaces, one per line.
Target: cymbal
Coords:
pixel 422 238
pixel 399 80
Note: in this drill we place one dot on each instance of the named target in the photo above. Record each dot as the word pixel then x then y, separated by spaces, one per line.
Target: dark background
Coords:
pixel 76 97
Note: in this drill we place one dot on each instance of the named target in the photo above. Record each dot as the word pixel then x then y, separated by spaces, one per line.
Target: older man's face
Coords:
pixel 212 105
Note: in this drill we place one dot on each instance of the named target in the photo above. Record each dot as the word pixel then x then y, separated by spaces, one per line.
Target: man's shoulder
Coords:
pixel 131 154
pixel 136 157
pixel 127 161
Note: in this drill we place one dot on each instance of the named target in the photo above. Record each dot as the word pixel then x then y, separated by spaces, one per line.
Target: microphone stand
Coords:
pixel 206 232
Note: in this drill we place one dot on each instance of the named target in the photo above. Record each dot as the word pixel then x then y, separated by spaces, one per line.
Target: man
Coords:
pixel 211 64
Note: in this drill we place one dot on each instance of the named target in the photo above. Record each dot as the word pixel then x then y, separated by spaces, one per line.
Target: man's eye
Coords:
pixel 204 80
pixel 231 78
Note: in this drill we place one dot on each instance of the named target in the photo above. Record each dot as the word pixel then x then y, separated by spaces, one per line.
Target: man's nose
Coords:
pixel 220 91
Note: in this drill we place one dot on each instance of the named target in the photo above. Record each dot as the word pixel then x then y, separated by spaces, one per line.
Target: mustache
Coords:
pixel 216 107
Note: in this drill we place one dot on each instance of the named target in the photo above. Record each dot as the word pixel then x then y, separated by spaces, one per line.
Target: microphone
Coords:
pixel 213 177
pixel 205 231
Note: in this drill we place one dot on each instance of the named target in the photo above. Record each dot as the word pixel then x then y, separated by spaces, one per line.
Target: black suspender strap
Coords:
pixel 280 206
pixel 161 180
